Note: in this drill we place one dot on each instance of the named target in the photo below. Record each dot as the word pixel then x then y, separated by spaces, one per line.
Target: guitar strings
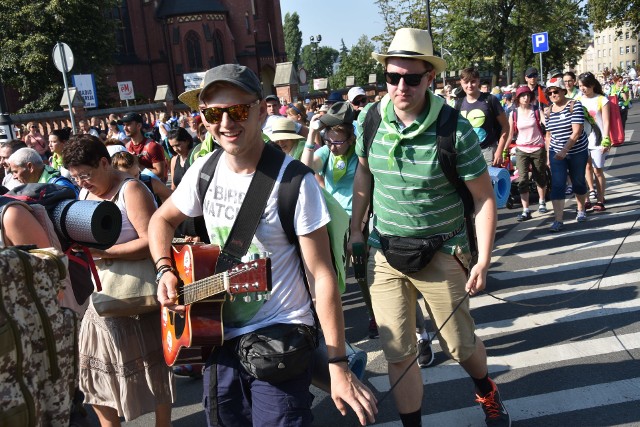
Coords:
pixel 194 288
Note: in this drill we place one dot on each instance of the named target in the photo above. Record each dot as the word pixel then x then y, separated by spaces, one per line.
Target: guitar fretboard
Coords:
pixel 205 288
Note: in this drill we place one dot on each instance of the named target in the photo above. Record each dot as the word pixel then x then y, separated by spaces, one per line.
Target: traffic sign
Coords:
pixel 540 42
pixel 62 57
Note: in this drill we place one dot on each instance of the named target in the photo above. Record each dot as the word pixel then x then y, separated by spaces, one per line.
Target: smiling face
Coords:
pixel 470 86
pixel 586 90
pixel 235 137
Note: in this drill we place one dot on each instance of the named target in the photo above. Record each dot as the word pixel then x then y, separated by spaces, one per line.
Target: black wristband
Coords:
pixel 338 359
pixel 161 258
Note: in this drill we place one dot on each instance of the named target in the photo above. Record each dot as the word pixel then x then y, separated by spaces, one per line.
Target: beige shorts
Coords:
pixel 394 296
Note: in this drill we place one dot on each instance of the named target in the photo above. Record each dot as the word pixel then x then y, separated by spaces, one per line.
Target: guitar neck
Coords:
pixel 205 288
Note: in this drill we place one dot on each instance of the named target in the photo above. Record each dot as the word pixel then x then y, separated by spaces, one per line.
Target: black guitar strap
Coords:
pixel 253 205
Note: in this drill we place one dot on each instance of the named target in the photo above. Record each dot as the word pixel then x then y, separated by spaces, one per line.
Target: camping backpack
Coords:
pixel 447 157
pixel 42 200
pixel 287 198
pixel 38 355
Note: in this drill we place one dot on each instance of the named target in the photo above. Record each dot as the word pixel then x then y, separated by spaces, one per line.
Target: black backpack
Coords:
pixel 447 157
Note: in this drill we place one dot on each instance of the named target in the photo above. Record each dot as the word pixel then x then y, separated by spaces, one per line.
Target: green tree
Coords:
pixel 320 65
pixel 357 62
pixel 607 13
pixel 292 37
pixel 30 29
pixel 492 33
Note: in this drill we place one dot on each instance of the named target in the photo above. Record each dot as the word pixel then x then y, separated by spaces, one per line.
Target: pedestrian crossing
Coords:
pixel 568 357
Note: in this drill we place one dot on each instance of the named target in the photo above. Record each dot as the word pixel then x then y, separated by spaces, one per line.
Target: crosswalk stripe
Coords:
pixel 526 359
pixel 581 246
pixel 541 405
pixel 567 266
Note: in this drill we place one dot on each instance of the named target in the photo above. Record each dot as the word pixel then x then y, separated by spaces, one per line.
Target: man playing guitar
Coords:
pixel 232 108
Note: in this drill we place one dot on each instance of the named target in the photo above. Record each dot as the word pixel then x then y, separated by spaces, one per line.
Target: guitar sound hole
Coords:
pixel 178 324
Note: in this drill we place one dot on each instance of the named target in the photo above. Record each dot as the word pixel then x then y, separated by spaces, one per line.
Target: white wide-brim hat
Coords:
pixel 412 43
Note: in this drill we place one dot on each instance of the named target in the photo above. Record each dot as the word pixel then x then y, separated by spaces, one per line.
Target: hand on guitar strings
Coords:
pixel 168 292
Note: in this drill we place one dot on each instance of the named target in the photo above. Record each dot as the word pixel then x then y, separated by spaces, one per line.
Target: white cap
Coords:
pixel 113 149
pixel 355 92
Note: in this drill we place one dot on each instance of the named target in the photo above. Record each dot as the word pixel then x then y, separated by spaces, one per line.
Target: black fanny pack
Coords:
pixel 278 352
pixel 410 254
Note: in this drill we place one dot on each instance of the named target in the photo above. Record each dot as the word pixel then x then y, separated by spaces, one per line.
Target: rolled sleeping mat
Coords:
pixel 91 223
pixel 320 377
pixel 501 181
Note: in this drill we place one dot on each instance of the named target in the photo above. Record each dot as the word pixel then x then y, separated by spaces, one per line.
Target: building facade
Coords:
pixel 159 41
pixel 610 51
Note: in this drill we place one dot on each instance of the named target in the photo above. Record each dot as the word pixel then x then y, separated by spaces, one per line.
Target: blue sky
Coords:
pixel 335 20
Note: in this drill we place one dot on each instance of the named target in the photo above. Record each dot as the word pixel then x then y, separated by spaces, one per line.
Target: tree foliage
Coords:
pixel 614 13
pixel 357 62
pixel 292 37
pixel 320 65
pixel 28 33
pixel 494 33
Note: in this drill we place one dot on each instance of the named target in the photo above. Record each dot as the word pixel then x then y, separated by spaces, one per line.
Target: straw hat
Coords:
pixel 412 43
pixel 283 128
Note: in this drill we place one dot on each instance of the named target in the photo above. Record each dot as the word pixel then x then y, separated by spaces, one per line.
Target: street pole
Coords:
pixel 541 73
pixel 65 68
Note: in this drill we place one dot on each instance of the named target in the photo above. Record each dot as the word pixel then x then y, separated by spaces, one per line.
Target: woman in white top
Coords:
pixel 598 106
pixel 525 127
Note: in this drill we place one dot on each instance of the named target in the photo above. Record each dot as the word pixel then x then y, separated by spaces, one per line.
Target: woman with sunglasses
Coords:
pixel 567 150
pixel 597 104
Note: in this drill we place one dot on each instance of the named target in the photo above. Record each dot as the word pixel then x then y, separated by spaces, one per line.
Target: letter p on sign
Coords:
pixel 540 42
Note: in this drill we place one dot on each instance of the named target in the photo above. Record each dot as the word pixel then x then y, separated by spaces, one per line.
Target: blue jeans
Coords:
pixel 573 165
pixel 243 400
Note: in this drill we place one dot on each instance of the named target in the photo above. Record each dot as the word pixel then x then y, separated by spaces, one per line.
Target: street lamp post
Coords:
pixel 314 42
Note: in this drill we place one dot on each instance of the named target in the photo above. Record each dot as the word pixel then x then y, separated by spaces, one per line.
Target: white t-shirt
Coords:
pixel 594 106
pixel 289 301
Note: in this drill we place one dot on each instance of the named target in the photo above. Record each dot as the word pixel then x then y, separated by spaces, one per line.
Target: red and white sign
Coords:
pixel 126 90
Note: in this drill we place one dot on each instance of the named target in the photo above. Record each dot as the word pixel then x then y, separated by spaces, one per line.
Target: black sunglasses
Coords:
pixel 553 92
pixel 237 113
pixel 409 79
pixel 362 101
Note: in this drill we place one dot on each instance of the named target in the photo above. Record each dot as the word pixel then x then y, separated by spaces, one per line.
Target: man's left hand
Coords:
pixel 346 388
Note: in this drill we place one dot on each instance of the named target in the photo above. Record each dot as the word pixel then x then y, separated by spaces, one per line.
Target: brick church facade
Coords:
pixel 159 41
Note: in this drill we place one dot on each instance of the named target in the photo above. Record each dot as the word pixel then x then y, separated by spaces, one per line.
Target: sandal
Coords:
pixel 599 207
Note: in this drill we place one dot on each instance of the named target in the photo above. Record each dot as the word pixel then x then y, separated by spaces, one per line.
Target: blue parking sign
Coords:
pixel 540 42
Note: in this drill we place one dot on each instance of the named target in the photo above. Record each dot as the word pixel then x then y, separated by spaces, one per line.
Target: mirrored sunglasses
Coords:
pixel 237 113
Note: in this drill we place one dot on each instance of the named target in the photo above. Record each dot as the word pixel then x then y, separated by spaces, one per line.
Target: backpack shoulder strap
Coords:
pixel 448 157
pixel 370 125
pixel 288 196
pixel 206 174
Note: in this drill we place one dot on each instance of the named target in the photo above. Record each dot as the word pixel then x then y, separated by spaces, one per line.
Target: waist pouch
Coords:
pixel 410 254
pixel 277 353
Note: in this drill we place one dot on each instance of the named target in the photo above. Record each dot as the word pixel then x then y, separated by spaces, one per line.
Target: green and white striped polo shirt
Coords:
pixel 412 197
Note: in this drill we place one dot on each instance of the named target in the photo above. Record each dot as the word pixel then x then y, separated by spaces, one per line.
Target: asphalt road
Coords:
pixel 564 347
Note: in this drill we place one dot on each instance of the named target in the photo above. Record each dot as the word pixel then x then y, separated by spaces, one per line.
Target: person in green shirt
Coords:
pixel 412 200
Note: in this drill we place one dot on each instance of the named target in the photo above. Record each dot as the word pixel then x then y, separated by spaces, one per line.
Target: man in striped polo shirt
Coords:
pixel 414 202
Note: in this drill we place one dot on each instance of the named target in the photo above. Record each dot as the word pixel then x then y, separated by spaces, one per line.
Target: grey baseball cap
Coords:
pixel 238 75
pixel 340 112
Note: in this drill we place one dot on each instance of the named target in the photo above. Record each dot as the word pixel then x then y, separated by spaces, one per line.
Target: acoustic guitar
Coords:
pixel 203 293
